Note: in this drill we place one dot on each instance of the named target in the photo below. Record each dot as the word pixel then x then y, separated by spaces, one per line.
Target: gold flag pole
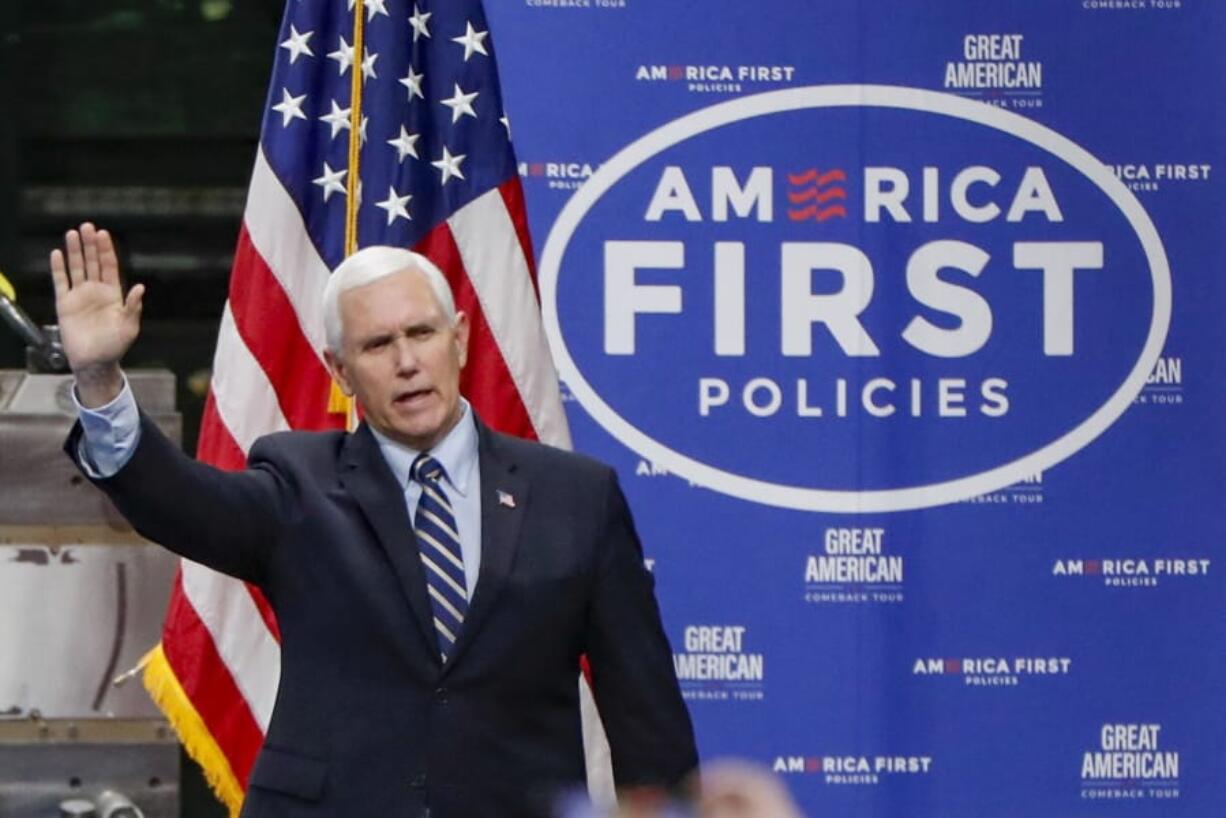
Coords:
pixel 339 402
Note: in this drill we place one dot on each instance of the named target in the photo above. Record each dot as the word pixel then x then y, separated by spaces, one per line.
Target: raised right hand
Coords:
pixel 97 323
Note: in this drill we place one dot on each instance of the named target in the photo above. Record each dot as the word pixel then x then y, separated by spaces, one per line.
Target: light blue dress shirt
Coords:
pixel 111 433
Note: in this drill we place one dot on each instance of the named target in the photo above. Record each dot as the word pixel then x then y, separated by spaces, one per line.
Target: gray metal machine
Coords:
pixel 81 601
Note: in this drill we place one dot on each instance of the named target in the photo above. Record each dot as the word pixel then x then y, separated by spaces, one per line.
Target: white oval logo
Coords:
pixel 952 324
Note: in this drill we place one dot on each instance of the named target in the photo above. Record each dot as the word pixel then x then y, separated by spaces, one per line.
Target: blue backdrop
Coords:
pixel 909 356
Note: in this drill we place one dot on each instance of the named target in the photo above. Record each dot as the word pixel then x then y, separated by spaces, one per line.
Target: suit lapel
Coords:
pixel 366 475
pixel 504 498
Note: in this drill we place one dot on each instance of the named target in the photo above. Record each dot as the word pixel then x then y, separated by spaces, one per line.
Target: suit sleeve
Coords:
pixel 225 520
pixel 650 734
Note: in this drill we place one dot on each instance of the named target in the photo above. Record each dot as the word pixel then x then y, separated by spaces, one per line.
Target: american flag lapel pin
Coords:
pixel 506 499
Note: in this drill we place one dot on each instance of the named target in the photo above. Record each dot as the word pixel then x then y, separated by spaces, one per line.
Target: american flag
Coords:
pixel 422 160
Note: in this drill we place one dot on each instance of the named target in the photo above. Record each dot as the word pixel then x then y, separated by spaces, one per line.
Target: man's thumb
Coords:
pixel 135 300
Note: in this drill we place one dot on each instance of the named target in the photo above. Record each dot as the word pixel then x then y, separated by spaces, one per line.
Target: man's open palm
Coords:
pixel 97 324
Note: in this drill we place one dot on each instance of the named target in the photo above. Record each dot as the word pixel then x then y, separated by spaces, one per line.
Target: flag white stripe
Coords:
pixel 243 642
pixel 245 398
pixel 494 259
pixel 278 233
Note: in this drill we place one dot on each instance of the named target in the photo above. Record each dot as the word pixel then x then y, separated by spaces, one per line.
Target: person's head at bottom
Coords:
pixel 724 788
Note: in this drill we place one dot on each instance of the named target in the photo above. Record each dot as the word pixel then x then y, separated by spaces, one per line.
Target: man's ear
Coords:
pixel 461 336
pixel 336 368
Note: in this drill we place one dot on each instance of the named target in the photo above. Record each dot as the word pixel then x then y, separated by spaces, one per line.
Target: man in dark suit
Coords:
pixel 435 582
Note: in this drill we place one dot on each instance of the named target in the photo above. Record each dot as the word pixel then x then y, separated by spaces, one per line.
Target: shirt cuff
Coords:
pixel 111 433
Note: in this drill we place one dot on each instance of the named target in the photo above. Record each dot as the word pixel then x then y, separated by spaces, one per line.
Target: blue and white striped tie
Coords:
pixel 438 542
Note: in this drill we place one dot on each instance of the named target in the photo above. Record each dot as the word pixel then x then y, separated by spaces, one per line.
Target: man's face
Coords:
pixel 401 359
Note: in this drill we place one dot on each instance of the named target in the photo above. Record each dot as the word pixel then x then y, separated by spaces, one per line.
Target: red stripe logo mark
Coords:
pixel 815 195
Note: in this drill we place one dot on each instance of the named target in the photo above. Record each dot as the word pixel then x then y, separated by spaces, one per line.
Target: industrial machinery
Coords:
pixel 81 601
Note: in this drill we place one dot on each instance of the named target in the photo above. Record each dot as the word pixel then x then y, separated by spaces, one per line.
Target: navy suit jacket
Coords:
pixel 368 721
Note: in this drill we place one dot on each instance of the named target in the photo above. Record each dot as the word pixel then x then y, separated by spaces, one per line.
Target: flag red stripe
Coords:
pixel 207 682
pixel 269 327
pixel 486 381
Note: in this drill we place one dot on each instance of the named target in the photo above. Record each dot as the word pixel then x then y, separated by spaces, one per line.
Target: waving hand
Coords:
pixel 97 323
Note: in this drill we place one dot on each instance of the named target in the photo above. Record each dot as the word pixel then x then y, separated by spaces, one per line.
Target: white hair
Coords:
pixel 367 266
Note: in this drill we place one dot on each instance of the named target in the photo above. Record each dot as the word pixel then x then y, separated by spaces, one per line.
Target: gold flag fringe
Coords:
pixel 172 700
